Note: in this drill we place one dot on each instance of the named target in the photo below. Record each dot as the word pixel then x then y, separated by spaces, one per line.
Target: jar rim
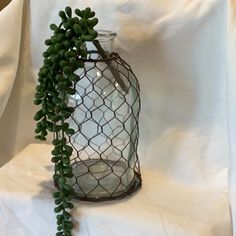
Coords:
pixel 104 35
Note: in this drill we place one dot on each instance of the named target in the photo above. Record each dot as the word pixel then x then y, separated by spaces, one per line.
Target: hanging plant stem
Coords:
pixel 57 81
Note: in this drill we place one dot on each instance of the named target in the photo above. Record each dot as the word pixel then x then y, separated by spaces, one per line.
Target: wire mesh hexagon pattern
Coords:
pixel 105 160
pixel 106 122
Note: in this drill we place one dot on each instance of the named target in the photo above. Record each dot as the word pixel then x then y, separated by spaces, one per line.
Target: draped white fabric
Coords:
pixel 183 53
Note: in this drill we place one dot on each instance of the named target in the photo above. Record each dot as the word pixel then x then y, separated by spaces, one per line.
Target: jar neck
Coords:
pixel 102 47
pixel 106 39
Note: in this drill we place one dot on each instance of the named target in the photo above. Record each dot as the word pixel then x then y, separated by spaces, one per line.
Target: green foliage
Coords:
pixel 56 82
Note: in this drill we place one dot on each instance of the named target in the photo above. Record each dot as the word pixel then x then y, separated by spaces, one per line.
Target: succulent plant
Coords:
pixel 56 79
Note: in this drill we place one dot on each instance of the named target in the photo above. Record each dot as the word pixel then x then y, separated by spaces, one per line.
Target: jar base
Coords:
pixel 103 180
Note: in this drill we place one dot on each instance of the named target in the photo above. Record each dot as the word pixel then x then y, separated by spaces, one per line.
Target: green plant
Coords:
pixel 56 82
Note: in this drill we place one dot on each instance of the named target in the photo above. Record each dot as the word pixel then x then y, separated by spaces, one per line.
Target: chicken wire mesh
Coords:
pixel 106 123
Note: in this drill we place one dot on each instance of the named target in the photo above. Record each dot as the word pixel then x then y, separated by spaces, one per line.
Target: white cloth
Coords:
pixel 183 55
pixel 163 206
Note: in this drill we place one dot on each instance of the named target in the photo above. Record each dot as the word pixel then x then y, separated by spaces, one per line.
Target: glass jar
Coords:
pixel 107 105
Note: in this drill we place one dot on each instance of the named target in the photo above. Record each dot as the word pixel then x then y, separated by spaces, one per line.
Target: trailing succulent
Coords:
pixel 57 81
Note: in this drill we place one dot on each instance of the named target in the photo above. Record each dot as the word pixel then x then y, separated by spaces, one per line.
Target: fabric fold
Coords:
pixel 10 40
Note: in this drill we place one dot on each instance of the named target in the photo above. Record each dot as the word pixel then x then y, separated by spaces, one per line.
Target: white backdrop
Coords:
pixel 183 53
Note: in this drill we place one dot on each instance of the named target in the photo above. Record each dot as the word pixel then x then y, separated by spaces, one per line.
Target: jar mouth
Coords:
pixel 105 35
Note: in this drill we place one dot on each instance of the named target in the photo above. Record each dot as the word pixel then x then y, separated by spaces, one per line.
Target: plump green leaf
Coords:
pixel 74 78
pixel 48 42
pixel 69 34
pixel 68 188
pixel 51 50
pixel 83 53
pixel 55 118
pixel 63 105
pixel 56 152
pixel 40 125
pixel 57 128
pixel 38 88
pixel 64 63
pixel 78 13
pixel 54 58
pixel 70 54
pixel 87 12
pixel 56 194
pixel 76 20
pixel 93 22
pixel 62 180
pixel 40 137
pixel 60 227
pixel 68 11
pixel 66 204
pixel 50 127
pixel 56 100
pixel 83 23
pixel 77 29
pixel 59 78
pixel 70 109
pixel 37 101
pixel 56 142
pixel 93 32
pixel 80 64
pixel 66 154
pixel 66 25
pixel 70 205
pixel 38 115
pixel 61 53
pixel 39 95
pixel 71 91
pixel 48 62
pixel 68 174
pixel 58 46
pixel 78 44
pixel 61 85
pixel 67 70
pixel 66 161
pixel 59 216
pixel 62 15
pixel 71 21
pixel 45 70
pixel 37 130
pixel 88 37
pixel 73 60
pixel 45 54
pixel 69 224
pixel 66 215
pixel 60 37
pixel 67 44
pixel 58 201
pixel 59 234
pixel 63 141
pixel 55 159
pixel 54 39
pixel 68 233
pixel 65 126
pixel 53 93
pixel 59 208
pixel 44 132
pixel 65 114
pixel 57 176
pixel 91 14
pixel 53 27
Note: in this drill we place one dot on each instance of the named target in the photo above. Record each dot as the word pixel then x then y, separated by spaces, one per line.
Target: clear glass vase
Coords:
pixel 107 105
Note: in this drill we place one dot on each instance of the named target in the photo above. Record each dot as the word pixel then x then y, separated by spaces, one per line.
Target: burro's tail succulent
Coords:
pixel 56 77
